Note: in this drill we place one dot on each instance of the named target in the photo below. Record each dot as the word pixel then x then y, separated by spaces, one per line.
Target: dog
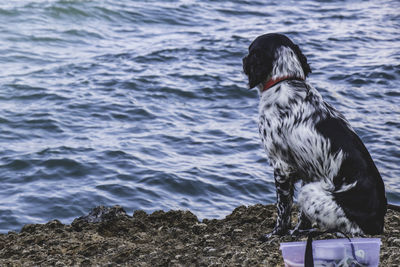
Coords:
pixel 308 142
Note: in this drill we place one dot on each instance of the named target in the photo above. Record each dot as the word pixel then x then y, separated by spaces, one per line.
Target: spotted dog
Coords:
pixel 310 142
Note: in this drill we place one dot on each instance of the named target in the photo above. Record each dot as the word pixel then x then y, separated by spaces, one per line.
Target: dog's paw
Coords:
pixel 278 231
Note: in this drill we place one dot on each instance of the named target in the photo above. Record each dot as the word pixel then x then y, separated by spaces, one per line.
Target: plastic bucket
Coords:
pixel 334 251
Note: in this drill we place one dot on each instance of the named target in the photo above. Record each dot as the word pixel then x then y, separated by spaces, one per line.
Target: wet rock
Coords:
pixel 103 214
pixel 102 219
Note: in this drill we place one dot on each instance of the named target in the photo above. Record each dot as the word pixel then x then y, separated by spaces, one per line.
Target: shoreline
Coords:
pixel 108 236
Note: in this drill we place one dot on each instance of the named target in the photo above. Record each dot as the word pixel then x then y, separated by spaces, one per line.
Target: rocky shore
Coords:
pixel 110 237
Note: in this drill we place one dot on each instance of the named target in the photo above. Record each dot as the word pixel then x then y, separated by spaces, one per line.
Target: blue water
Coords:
pixel 144 103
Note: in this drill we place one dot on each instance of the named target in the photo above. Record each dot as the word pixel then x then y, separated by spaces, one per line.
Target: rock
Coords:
pixel 29 228
pixel 107 236
pixel 199 228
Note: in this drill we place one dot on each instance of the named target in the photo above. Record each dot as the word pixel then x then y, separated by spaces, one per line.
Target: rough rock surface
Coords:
pixel 108 236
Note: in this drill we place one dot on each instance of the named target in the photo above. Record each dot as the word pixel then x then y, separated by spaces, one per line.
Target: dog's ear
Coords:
pixel 303 60
pixel 257 65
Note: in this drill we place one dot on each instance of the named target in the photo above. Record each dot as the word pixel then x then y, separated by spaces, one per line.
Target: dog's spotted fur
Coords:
pixel 308 140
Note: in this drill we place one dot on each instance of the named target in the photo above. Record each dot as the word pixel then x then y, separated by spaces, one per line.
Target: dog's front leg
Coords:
pixel 284 196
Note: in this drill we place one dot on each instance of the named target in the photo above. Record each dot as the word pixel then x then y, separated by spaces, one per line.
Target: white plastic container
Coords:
pixel 333 251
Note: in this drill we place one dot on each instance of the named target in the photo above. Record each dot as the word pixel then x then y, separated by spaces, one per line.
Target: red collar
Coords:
pixel 272 82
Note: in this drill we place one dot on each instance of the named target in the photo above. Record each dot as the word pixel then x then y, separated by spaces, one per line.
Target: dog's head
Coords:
pixel 274 55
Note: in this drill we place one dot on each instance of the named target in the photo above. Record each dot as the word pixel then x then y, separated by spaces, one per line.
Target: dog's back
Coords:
pixel 365 203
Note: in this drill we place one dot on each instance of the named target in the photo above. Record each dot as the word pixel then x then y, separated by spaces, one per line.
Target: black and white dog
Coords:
pixel 307 140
